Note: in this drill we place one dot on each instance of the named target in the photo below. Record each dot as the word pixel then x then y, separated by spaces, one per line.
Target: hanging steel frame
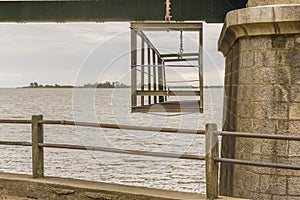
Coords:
pixel 156 88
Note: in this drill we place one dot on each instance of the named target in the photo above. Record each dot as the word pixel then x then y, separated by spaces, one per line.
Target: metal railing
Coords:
pixel 212 157
pixel 38 144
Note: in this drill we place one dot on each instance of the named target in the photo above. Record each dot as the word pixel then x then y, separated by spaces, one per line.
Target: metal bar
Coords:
pixel 173 109
pixel 122 151
pixel 154 74
pixel 183 86
pixel 149 73
pixel 187 81
pixel 258 164
pixel 165 80
pixel 200 63
pixel 178 55
pixel 160 80
pixel 133 67
pixel 174 26
pixel 181 60
pixel 168 93
pixel 124 127
pixel 261 136
pixel 9 143
pixel 184 66
pixel 11 121
pixel 143 71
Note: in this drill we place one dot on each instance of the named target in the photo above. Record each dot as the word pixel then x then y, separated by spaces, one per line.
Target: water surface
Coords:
pixel 107 106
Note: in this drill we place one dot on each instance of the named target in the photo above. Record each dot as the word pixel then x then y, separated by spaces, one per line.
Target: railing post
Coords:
pixel 200 64
pixel 37 136
pixel 154 73
pixel 133 68
pixel 212 150
pixel 143 71
pixel 160 79
pixel 149 72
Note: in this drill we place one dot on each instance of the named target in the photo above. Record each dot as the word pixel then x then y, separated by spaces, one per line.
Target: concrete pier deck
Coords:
pixel 63 188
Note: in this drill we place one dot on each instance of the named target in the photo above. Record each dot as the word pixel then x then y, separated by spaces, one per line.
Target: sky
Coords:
pixel 79 53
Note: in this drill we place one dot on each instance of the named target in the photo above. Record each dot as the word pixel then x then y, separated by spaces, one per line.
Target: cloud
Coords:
pixel 54 53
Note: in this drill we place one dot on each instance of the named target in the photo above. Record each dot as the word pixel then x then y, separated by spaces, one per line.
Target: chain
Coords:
pixel 168 11
pixel 181 45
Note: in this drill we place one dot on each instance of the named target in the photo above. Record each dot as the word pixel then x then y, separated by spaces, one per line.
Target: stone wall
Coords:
pixel 229 116
pixel 262 84
pixel 252 3
pixel 268 102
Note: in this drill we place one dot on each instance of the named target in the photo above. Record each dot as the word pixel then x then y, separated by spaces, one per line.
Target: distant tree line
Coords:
pixel 36 85
pixel 106 84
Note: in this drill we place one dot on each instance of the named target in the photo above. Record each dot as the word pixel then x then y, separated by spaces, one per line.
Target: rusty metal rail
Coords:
pixel 257 164
pixel 122 151
pixel 259 136
pixel 10 143
pixel 123 127
pixel 11 121
pixel 38 138
pixel 38 144
pixel 212 157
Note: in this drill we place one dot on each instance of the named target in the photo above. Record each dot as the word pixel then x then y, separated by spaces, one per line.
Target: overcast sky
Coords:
pixel 77 53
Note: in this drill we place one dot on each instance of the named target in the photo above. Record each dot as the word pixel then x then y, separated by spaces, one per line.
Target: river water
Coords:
pixel 107 106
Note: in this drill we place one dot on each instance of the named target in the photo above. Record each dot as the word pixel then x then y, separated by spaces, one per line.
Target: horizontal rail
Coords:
pixel 181 66
pixel 10 143
pixel 183 81
pixel 125 127
pixel 183 87
pixel 168 93
pixel 180 60
pixel 12 121
pixel 258 164
pixel 179 55
pixel 261 136
pixel 114 150
pixel 169 107
pixel 187 26
pixel 158 129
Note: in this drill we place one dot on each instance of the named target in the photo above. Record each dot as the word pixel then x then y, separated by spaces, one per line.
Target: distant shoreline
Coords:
pixel 64 88
pixel 107 84
pixel 81 87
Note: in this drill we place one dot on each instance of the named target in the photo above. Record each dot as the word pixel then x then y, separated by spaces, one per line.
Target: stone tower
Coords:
pixel 261 44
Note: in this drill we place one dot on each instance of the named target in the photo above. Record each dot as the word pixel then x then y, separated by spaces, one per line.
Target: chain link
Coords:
pixel 168 11
pixel 181 45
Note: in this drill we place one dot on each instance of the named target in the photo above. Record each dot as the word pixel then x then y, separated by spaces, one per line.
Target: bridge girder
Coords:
pixel 211 11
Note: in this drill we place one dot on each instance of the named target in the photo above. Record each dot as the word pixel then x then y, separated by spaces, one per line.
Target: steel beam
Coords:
pixel 116 10
pixel 170 26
